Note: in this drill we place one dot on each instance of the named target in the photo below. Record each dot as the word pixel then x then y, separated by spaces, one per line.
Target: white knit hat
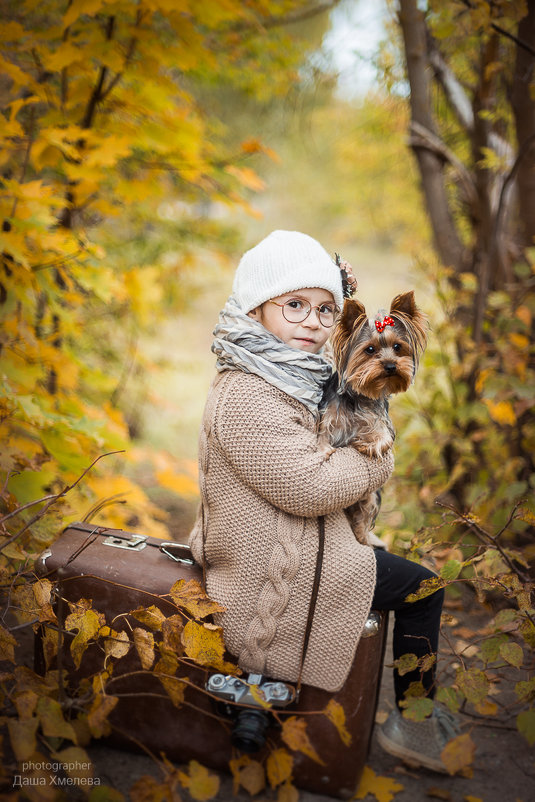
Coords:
pixel 282 262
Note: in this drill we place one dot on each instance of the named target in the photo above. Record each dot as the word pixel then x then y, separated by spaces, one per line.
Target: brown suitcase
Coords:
pixel 121 571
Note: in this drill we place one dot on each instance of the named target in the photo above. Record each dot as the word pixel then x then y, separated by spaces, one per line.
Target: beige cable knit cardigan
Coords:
pixel 263 483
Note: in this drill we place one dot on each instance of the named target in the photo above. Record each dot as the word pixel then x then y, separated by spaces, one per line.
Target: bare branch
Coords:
pixel 422 137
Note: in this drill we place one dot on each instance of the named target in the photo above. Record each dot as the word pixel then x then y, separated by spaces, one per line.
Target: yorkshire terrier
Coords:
pixel 374 358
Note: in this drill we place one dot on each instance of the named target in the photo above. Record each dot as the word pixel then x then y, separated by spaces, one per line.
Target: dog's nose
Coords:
pixel 390 368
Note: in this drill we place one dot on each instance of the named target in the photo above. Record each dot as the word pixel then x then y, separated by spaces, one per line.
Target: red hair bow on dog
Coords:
pixel 387 321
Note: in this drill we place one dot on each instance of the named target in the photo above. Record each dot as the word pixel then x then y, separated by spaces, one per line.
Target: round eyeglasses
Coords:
pixel 296 310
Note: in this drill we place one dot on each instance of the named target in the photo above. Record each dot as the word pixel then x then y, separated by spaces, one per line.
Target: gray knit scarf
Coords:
pixel 242 343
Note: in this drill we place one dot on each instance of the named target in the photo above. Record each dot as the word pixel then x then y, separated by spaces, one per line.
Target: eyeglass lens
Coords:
pixel 297 310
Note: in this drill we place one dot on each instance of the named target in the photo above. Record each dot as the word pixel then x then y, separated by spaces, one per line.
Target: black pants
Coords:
pixel 416 624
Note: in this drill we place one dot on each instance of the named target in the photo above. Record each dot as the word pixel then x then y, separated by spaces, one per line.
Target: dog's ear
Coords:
pixel 405 304
pixel 404 309
pixel 352 311
pixel 353 314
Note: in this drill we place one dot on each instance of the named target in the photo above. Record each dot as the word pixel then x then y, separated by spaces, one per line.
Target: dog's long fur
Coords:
pixel 373 358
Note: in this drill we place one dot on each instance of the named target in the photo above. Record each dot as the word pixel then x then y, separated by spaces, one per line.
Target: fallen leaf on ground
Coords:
pixel 458 753
pixel 383 789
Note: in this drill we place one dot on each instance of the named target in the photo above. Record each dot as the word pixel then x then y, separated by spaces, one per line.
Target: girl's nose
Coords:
pixel 313 320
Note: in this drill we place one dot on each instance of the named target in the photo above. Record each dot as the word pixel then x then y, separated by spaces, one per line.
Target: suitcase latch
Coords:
pixel 177 552
pixel 134 543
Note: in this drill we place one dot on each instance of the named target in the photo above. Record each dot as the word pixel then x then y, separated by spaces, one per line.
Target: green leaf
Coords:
pixel 473 683
pixel 525 689
pixel 504 618
pixel 417 708
pixel 66 449
pixel 512 653
pixel 31 485
pixel 525 722
pixel 451 570
pixel 490 647
pixel 450 698
pixel 406 663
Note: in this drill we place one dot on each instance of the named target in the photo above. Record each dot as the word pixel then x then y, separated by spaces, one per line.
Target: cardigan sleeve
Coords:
pixel 269 443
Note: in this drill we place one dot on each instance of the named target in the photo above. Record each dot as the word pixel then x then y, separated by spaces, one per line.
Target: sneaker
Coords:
pixel 419 743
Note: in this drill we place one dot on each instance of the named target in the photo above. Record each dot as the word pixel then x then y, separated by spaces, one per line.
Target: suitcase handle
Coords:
pixel 181 549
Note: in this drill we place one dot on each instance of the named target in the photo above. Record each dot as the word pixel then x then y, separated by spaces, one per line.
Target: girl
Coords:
pixel 264 481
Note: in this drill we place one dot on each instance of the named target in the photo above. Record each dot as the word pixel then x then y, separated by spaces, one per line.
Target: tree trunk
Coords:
pixel 523 103
pixel 430 163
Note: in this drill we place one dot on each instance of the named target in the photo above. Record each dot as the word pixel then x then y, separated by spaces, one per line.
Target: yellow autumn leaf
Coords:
pixel 486 707
pixel 25 702
pixel 7 644
pixel 165 670
pixel 53 723
pixel 335 713
pixel 172 634
pixel 295 736
pixel 179 483
pixel 287 793
pixel 383 789
pixel 22 736
pixel 458 753
pixel 76 763
pixel 482 377
pixel 248 773
pixel 152 617
pixel 190 596
pixel 247 177
pixel 523 313
pixel 79 7
pixel 108 151
pixel 279 766
pixel 42 591
pixel 200 783
pixel 49 643
pixel 519 340
pixel 97 718
pixel 502 412
pixel 88 623
pixel 144 643
pixel 204 644
pixel 63 55
pixel 255 146
pixel 116 644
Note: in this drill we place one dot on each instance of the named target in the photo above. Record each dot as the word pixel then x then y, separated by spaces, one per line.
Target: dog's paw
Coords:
pixel 375 450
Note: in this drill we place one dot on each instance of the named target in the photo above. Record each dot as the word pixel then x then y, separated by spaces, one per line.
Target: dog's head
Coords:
pixel 378 357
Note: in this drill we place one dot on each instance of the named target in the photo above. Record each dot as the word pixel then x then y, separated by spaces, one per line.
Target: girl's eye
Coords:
pixel 295 304
pixel 396 347
pixel 326 310
pixel 370 349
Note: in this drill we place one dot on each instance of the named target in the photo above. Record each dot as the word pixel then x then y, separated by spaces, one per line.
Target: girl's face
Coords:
pixel 310 334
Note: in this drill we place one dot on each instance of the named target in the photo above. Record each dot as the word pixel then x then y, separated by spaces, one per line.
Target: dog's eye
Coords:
pixel 370 349
pixel 396 347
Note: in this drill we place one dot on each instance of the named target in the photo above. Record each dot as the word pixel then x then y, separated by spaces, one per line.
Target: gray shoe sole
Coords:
pixel 415 759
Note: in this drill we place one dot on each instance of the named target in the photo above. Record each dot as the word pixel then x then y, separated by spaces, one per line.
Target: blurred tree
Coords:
pixel 471 72
pixel 107 154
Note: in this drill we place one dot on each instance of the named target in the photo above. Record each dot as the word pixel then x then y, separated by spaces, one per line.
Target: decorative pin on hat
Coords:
pixel 349 282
